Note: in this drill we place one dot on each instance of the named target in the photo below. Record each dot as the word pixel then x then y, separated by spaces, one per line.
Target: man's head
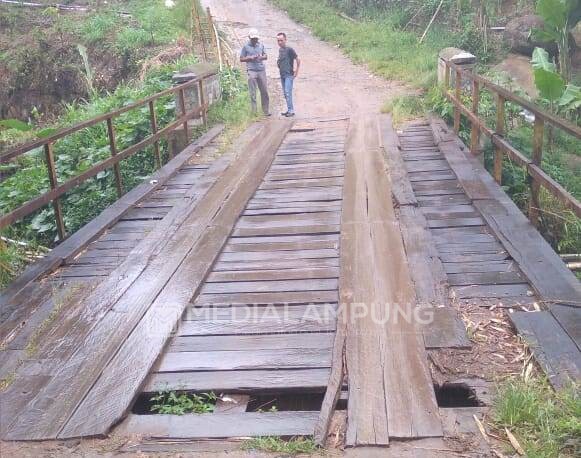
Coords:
pixel 281 39
pixel 253 35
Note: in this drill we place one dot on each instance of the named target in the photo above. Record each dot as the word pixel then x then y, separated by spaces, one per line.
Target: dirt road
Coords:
pixel 328 84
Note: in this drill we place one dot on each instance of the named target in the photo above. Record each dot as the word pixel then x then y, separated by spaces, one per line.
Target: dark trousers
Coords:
pixel 258 80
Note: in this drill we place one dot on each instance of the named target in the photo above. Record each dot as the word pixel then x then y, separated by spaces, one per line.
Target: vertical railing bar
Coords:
pixel 534 204
pixel 203 102
pixel 458 93
pixel 446 75
pixel 153 120
pixel 60 224
pixel 183 110
pixel 475 130
pixel 500 130
pixel 113 148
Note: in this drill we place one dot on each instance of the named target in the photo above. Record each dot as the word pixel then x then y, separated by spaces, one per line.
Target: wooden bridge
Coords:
pixel 280 267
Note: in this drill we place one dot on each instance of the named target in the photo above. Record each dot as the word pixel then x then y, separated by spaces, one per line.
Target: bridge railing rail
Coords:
pixel 536 176
pixel 58 189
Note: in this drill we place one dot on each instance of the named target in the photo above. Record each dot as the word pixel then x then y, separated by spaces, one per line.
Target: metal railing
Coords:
pixel 536 177
pixel 58 189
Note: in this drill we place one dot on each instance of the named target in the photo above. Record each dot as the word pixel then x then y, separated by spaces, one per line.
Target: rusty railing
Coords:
pixel 57 189
pixel 536 177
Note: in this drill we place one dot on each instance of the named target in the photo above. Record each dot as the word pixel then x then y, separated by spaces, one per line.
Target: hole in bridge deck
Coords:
pixel 285 402
pixel 451 395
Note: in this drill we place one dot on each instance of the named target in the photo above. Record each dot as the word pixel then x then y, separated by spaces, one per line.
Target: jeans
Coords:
pixel 258 80
pixel 287 87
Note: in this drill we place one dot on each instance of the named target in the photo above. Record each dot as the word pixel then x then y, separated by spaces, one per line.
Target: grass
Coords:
pixel 405 107
pixel 171 403
pixel 545 423
pixel 377 42
pixel 293 446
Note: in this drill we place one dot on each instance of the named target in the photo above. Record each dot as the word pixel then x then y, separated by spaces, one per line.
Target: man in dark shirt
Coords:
pixel 287 58
pixel 254 54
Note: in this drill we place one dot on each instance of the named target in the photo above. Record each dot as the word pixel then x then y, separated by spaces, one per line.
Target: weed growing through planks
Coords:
pixel 545 423
pixel 293 446
pixel 405 107
pixel 168 402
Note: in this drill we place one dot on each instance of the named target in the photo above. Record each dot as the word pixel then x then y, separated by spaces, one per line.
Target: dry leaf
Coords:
pixel 481 428
pixel 514 442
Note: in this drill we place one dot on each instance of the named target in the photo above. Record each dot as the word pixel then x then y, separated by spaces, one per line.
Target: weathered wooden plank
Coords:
pixel 252 342
pixel 486 278
pixel 276 264
pixel 301 297
pixel 467 248
pixel 260 326
pixel 385 361
pixel 427 166
pixel 248 424
pixel 569 317
pixel 270 286
pixel 258 312
pixel 473 257
pixel 438 175
pixel 450 199
pixel 485 291
pixel 553 349
pixel 274 358
pixel 278 255
pixel 283 239
pixel 310 380
pixel 277 221
pixel 292 210
pixel 278 274
pixel 443 328
pixel 274 204
pixel 400 184
pixel 281 246
pixel 476 267
pixel 302 183
pixel 288 230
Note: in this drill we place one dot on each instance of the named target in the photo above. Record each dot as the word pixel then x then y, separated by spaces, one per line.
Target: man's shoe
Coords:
pixel 284 114
pixel 290 115
pixel 267 114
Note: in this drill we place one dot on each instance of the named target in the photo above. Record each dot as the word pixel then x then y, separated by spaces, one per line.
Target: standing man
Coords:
pixel 287 57
pixel 254 54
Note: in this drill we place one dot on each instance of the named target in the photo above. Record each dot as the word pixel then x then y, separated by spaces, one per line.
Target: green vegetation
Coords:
pixel 168 402
pixel 545 423
pixel 293 446
pixel 376 40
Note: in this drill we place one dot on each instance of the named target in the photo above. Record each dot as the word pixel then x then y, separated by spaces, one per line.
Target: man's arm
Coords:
pixel 297 66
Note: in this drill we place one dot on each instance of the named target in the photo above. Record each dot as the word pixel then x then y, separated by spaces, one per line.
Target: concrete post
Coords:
pixel 458 57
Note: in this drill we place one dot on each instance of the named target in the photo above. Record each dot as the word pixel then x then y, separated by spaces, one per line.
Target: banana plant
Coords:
pixel 559 18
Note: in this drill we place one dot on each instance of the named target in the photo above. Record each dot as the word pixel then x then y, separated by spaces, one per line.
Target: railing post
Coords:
pixel 446 76
pixel 203 101
pixel 58 213
pixel 534 203
pixel 458 94
pixel 153 120
pixel 498 153
pixel 475 131
pixel 113 148
pixel 183 110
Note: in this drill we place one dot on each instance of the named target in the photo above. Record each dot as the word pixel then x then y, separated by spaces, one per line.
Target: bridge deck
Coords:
pixel 268 241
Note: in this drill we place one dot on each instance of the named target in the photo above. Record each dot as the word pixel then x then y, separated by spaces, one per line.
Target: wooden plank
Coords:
pixel 282 274
pixel 438 175
pixel 455 222
pixel 283 239
pixel 77 241
pixel 467 248
pixel 246 424
pixel 385 361
pixel 427 272
pixel 486 278
pixel 280 255
pixel 569 317
pixel 270 286
pixel 291 210
pixel 259 312
pixel 288 230
pixel 553 349
pixel 485 291
pixel 302 183
pixel 443 328
pixel 276 221
pixel 232 191
pixel 301 297
pixel 260 326
pixel 400 185
pixel 252 342
pixel 281 246
pixel 451 199
pixel 274 358
pixel 476 267
pixel 309 380
pixel 277 264
pixel 473 257
pixel 427 166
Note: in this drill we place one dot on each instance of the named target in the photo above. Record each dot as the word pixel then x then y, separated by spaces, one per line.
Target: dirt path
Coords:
pixel 329 83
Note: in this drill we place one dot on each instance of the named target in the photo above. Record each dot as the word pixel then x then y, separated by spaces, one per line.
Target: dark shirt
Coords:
pixel 286 61
pixel 248 50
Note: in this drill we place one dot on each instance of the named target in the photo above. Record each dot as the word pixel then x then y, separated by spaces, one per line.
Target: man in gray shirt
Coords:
pixel 254 54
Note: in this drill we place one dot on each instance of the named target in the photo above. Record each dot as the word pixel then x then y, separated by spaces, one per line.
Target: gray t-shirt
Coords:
pixel 286 61
pixel 248 50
